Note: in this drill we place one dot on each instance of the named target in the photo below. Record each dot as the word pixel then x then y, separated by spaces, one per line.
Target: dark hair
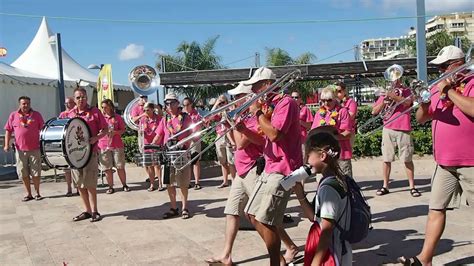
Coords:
pixel 323 139
pixel 109 103
pixel 189 100
pixel 81 90
pixel 340 84
pixel 24 98
pixel 159 105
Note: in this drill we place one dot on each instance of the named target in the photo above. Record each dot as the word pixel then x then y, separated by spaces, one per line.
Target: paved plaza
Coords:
pixel 133 232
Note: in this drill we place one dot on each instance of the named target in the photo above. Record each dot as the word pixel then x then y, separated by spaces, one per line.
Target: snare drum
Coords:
pixel 178 158
pixel 64 143
pixel 148 159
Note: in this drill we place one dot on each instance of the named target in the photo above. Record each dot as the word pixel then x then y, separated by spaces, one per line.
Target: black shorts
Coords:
pixel 196 158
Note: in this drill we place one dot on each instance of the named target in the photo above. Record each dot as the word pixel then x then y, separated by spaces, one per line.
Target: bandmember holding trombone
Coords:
pixel 249 148
pixel 282 153
pixel 451 110
pixel 70 104
pixel 188 107
pixel 397 133
pixel 330 113
pixel 173 123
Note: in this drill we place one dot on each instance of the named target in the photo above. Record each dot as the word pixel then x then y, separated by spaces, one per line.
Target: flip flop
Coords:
pixel 216 262
pixel 27 198
pixel 414 261
pixel 223 186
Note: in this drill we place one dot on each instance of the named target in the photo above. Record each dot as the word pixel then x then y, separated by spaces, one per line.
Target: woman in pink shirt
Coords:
pixel 149 124
pixel 111 147
pixel 332 114
pixel 349 104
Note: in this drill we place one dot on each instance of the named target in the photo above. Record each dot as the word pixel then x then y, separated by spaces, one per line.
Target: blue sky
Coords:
pixel 125 45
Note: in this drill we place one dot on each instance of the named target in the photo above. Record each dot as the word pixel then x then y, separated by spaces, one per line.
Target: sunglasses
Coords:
pixel 295 97
pixel 326 100
pixel 81 97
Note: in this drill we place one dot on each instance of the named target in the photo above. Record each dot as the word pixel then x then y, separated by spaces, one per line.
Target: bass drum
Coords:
pixel 64 143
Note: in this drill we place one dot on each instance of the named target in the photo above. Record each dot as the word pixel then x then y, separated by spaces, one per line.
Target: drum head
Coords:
pixel 78 151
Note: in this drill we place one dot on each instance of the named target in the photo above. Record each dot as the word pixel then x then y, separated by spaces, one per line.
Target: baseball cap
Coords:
pixel 261 73
pixel 241 88
pixel 171 96
pixel 450 52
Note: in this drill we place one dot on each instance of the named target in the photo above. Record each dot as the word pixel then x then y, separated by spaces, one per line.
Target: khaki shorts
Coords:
pixel 112 158
pixel 28 163
pixel 181 178
pixel 225 153
pixel 87 176
pixel 448 184
pixel 392 139
pixel 346 167
pixel 269 199
pixel 240 192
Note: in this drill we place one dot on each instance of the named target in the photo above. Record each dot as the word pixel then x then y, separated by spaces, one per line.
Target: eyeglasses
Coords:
pixel 326 100
pixel 81 97
pixel 295 97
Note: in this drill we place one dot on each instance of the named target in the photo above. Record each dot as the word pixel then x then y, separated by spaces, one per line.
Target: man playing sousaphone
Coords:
pixel 173 123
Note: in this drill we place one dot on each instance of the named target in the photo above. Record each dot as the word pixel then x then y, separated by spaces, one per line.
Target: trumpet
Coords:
pixel 230 117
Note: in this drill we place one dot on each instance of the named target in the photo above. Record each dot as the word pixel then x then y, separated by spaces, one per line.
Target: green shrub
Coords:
pixel 131 147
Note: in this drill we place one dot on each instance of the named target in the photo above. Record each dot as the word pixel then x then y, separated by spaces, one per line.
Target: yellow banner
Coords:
pixel 105 86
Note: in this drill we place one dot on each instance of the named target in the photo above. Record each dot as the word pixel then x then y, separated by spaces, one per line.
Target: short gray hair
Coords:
pixel 328 93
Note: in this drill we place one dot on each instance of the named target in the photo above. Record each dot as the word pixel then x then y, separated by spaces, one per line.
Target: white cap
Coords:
pixel 171 96
pixel 450 52
pixel 241 88
pixel 262 73
pixel 212 101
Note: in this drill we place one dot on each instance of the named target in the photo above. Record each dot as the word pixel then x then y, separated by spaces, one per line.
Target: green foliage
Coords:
pixel 131 147
pixel 436 42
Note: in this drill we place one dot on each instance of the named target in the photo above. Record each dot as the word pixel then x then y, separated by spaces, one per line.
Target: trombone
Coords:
pixel 230 116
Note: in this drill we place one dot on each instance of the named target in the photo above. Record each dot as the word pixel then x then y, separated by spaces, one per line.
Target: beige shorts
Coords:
pixel 28 163
pixel 112 158
pixel 346 166
pixel 181 178
pixel 240 192
pixel 269 199
pixel 448 184
pixel 392 139
pixel 87 176
pixel 225 153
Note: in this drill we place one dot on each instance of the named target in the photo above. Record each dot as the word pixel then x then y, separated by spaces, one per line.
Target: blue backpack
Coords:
pixel 361 217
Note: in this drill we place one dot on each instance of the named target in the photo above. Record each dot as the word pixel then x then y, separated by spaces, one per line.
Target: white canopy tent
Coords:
pixel 34 74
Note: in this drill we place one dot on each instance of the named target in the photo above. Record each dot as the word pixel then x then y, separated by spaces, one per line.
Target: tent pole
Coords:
pixel 59 54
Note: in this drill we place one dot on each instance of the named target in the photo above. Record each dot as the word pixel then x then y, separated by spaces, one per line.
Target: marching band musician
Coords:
pixel 86 178
pixel 173 123
pixel 111 147
pixel 306 118
pixel 249 148
pixel 330 113
pixel 26 124
pixel 282 153
pixel 396 135
pixel 188 107
pixel 69 103
pixel 349 103
pixel 149 124
pixel 451 110
pixel 138 110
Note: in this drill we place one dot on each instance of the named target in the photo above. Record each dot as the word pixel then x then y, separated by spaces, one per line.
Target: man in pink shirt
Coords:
pixel 70 104
pixel 306 117
pixel 188 107
pixel 349 103
pixel 282 153
pixel 86 178
pixel 451 110
pixel 137 111
pixel 396 134
pixel 26 124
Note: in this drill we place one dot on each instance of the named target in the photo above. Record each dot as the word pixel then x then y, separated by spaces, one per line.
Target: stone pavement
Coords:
pixel 133 232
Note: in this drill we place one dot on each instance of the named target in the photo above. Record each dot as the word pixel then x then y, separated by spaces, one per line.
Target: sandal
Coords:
pixel 382 191
pixel 171 213
pixel 150 189
pixel 68 194
pixel 185 214
pixel 415 193
pixel 161 188
pixel 38 197
pixel 410 261
pixel 287 219
pixel 27 198
pixel 111 190
pixel 126 188
pixel 223 186
pixel 197 187
pixel 82 216
pixel 95 217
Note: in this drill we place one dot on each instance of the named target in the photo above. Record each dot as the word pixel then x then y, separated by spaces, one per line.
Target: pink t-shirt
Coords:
pixel 351 106
pixel 339 117
pixel 402 122
pixel 245 158
pixel 452 130
pixel 150 126
pixel 94 119
pixel 117 123
pixel 64 114
pixel 26 128
pixel 137 110
pixel 305 116
pixel 284 155
pixel 173 125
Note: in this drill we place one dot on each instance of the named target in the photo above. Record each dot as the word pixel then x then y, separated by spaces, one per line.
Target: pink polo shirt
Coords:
pixel 351 106
pixel 150 126
pixel 26 128
pixel 94 119
pixel 305 116
pixel 342 122
pixel 175 124
pixel 137 110
pixel 452 130
pixel 403 122
pixel 284 155
pixel 64 114
pixel 245 158
pixel 116 122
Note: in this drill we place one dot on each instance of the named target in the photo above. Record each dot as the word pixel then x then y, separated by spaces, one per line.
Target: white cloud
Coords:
pixel 132 51
pixel 159 52
pixel 431 6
